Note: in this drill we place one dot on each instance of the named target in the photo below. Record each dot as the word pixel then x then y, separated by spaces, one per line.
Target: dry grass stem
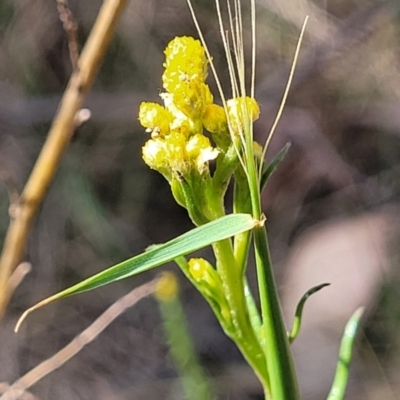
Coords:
pixel 71 28
pixel 77 344
pixel 286 92
pixel 22 396
pixel 11 187
pixel 58 138
pixel 18 275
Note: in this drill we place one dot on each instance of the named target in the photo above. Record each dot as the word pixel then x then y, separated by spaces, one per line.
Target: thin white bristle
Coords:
pixel 286 92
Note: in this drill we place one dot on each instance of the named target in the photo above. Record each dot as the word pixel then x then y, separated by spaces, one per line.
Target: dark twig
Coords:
pixel 57 141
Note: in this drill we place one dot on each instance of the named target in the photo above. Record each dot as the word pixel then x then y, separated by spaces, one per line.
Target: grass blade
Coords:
pixel 299 311
pixel 193 240
pixel 274 163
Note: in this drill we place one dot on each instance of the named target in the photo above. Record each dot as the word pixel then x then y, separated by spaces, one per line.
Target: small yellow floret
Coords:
pixel 241 112
pixel 185 61
pixel 192 98
pixel 214 118
pixel 155 154
pixel 184 76
pixel 205 274
pixel 177 155
pixel 197 268
pixel 258 150
pixel 200 152
pixel 155 118
pixel 242 108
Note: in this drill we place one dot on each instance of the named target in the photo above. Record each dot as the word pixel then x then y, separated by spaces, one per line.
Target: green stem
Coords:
pixel 280 367
pixel 283 380
pixel 233 286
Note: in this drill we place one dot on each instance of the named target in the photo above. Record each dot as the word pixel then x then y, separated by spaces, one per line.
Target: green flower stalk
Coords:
pixel 187 133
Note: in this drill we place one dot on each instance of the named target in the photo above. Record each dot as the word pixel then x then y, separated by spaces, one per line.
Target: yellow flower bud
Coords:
pixel 242 111
pixel 240 107
pixel 176 152
pixel 198 268
pixel 155 118
pixel 258 150
pixel 203 272
pixel 200 152
pixel 181 123
pixel 155 154
pixel 192 98
pixel 214 118
pixel 185 61
pixel 209 283
pixel 184 76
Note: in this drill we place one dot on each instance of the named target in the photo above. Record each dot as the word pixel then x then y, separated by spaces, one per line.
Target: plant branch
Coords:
pixel 58 139
pixel 276 346
pixel 244 336
pixel 71 29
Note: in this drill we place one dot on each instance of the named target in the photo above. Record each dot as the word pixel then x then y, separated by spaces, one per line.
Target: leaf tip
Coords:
pixel 357 314
pixel 33 308
pixel 22 319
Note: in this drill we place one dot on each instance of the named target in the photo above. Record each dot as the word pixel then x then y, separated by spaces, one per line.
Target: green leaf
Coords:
pixel 299 311
pixel 195 239
pixel 345 354
pixel 274 163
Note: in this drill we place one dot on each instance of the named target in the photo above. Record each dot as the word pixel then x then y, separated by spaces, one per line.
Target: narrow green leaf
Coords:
pixel 195 239
pixel 274 163
pixel 299 311
pixel 345 354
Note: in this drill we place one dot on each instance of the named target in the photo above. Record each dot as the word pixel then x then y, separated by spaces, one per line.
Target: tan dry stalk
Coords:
pixel 71 29
pixel 57 141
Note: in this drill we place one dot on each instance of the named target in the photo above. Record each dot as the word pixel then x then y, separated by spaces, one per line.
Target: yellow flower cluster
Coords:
pixel 178 144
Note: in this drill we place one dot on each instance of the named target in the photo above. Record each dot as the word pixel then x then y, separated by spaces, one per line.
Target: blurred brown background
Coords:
pixel 332 206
